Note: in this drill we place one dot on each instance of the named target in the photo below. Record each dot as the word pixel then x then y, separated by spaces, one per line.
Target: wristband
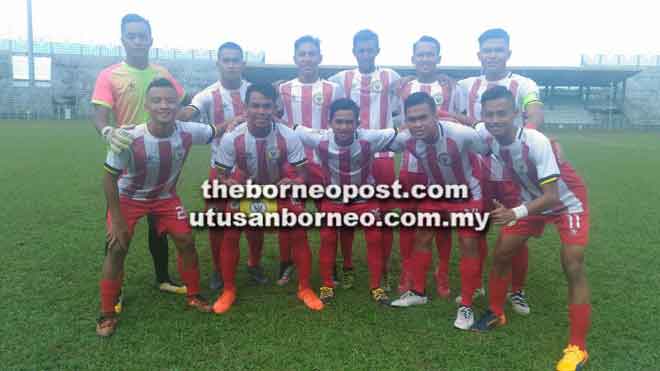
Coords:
pixel 520 211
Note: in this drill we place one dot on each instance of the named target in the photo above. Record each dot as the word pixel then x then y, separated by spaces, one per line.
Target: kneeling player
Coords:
pixel 140 181
pixel 260 149
pixel 443 149
pixel 346 155
pixel 549 193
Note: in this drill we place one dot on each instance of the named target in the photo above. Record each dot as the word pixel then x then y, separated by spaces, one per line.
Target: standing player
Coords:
pixel 346 154
pixel 121 90
pixel 147 172
pixel 549 193
pixel 494 52
pixel 222 103
pixel 306 101
pixel 261 149
pixel 443 150
pixel 425 58
pixel 375 90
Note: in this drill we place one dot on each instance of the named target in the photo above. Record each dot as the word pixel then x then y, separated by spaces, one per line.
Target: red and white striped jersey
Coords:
pixel 523 89
pixel 262 159
pixel 149 169
pixel 346 164
pixel 530 162
pixel 308 104
pixel 446 98
pixel 217 104
pixel 449 160
pixel 376 95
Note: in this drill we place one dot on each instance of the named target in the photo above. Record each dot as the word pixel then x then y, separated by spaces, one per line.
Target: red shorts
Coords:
pixel 169 215
pixel 407 180
pixel 573 228
pixel 370 206
pixel 446 207
pixel 382 169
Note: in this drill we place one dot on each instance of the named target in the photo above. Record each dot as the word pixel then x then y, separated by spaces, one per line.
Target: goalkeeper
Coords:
pixel 120 89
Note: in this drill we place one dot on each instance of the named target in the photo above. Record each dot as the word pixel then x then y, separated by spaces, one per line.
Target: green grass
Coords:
pixel 52 233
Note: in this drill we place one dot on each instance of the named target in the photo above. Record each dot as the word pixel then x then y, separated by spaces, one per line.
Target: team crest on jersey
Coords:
pixel 444 159
pixel 439 99
pixel 376 86
pixel 318 98
pixel 257 207
pixel 273 154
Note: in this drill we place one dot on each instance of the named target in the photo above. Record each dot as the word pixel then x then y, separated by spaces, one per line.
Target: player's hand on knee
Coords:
pixel 502 215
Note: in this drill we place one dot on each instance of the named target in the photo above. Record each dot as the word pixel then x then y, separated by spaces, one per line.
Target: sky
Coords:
pixel 552 33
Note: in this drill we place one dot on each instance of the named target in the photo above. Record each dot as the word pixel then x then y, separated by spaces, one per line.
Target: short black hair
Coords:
pixel 418 98
pixel 344 104
pixel 160 82
pixel 427 39
pixel 307 39
pixel 267 90
pixel 364 35
pixel 134 18
pixel 230 45
pixel 497 92
pixel 494 33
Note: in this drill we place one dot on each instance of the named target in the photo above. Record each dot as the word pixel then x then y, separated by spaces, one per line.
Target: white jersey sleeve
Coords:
pixel 226 155
pixel 202 102
pixel 308 136
pixel 543 157
pixel 201 133
pixel 528 92
pixel 295 151
pixel 398 144
pixel 116 162
pixel 378 139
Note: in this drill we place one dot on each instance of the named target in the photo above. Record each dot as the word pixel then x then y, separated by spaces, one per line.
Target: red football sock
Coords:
pixel 230 256
pixel 215 240
pixel 109 293
pixel 519 266
pixel 327 255
pixel 579 316
pixel 386 243
pixel 470 280
pixel 406 240
pixel 483 254
pixel 255 245
pixel 302 257
pixel 189 274
pixel 420 261
pixel 443 246
pixel 374 256
pixel 284 239
pixel 497 292
pixel 346 239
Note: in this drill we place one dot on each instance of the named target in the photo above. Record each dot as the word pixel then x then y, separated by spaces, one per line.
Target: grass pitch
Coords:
pixel 52 234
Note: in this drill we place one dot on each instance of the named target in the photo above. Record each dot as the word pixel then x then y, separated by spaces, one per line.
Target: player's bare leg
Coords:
pixel 188 265
pixel 579 308
pixel 110 287
pixel 499 278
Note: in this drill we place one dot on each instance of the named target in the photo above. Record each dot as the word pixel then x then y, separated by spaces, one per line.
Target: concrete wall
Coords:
pixel 642 101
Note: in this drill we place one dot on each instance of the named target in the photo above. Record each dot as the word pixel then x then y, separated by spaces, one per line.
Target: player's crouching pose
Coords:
pixel 261 149
pixel 141 180
pixel 550 192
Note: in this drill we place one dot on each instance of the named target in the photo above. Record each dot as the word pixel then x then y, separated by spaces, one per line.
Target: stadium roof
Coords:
pixel 544 76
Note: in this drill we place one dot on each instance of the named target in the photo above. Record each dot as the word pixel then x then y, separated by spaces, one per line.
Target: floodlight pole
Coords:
pixel 30 42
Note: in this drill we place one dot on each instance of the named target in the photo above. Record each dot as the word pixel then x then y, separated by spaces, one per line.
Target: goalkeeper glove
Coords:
pixel 118 139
